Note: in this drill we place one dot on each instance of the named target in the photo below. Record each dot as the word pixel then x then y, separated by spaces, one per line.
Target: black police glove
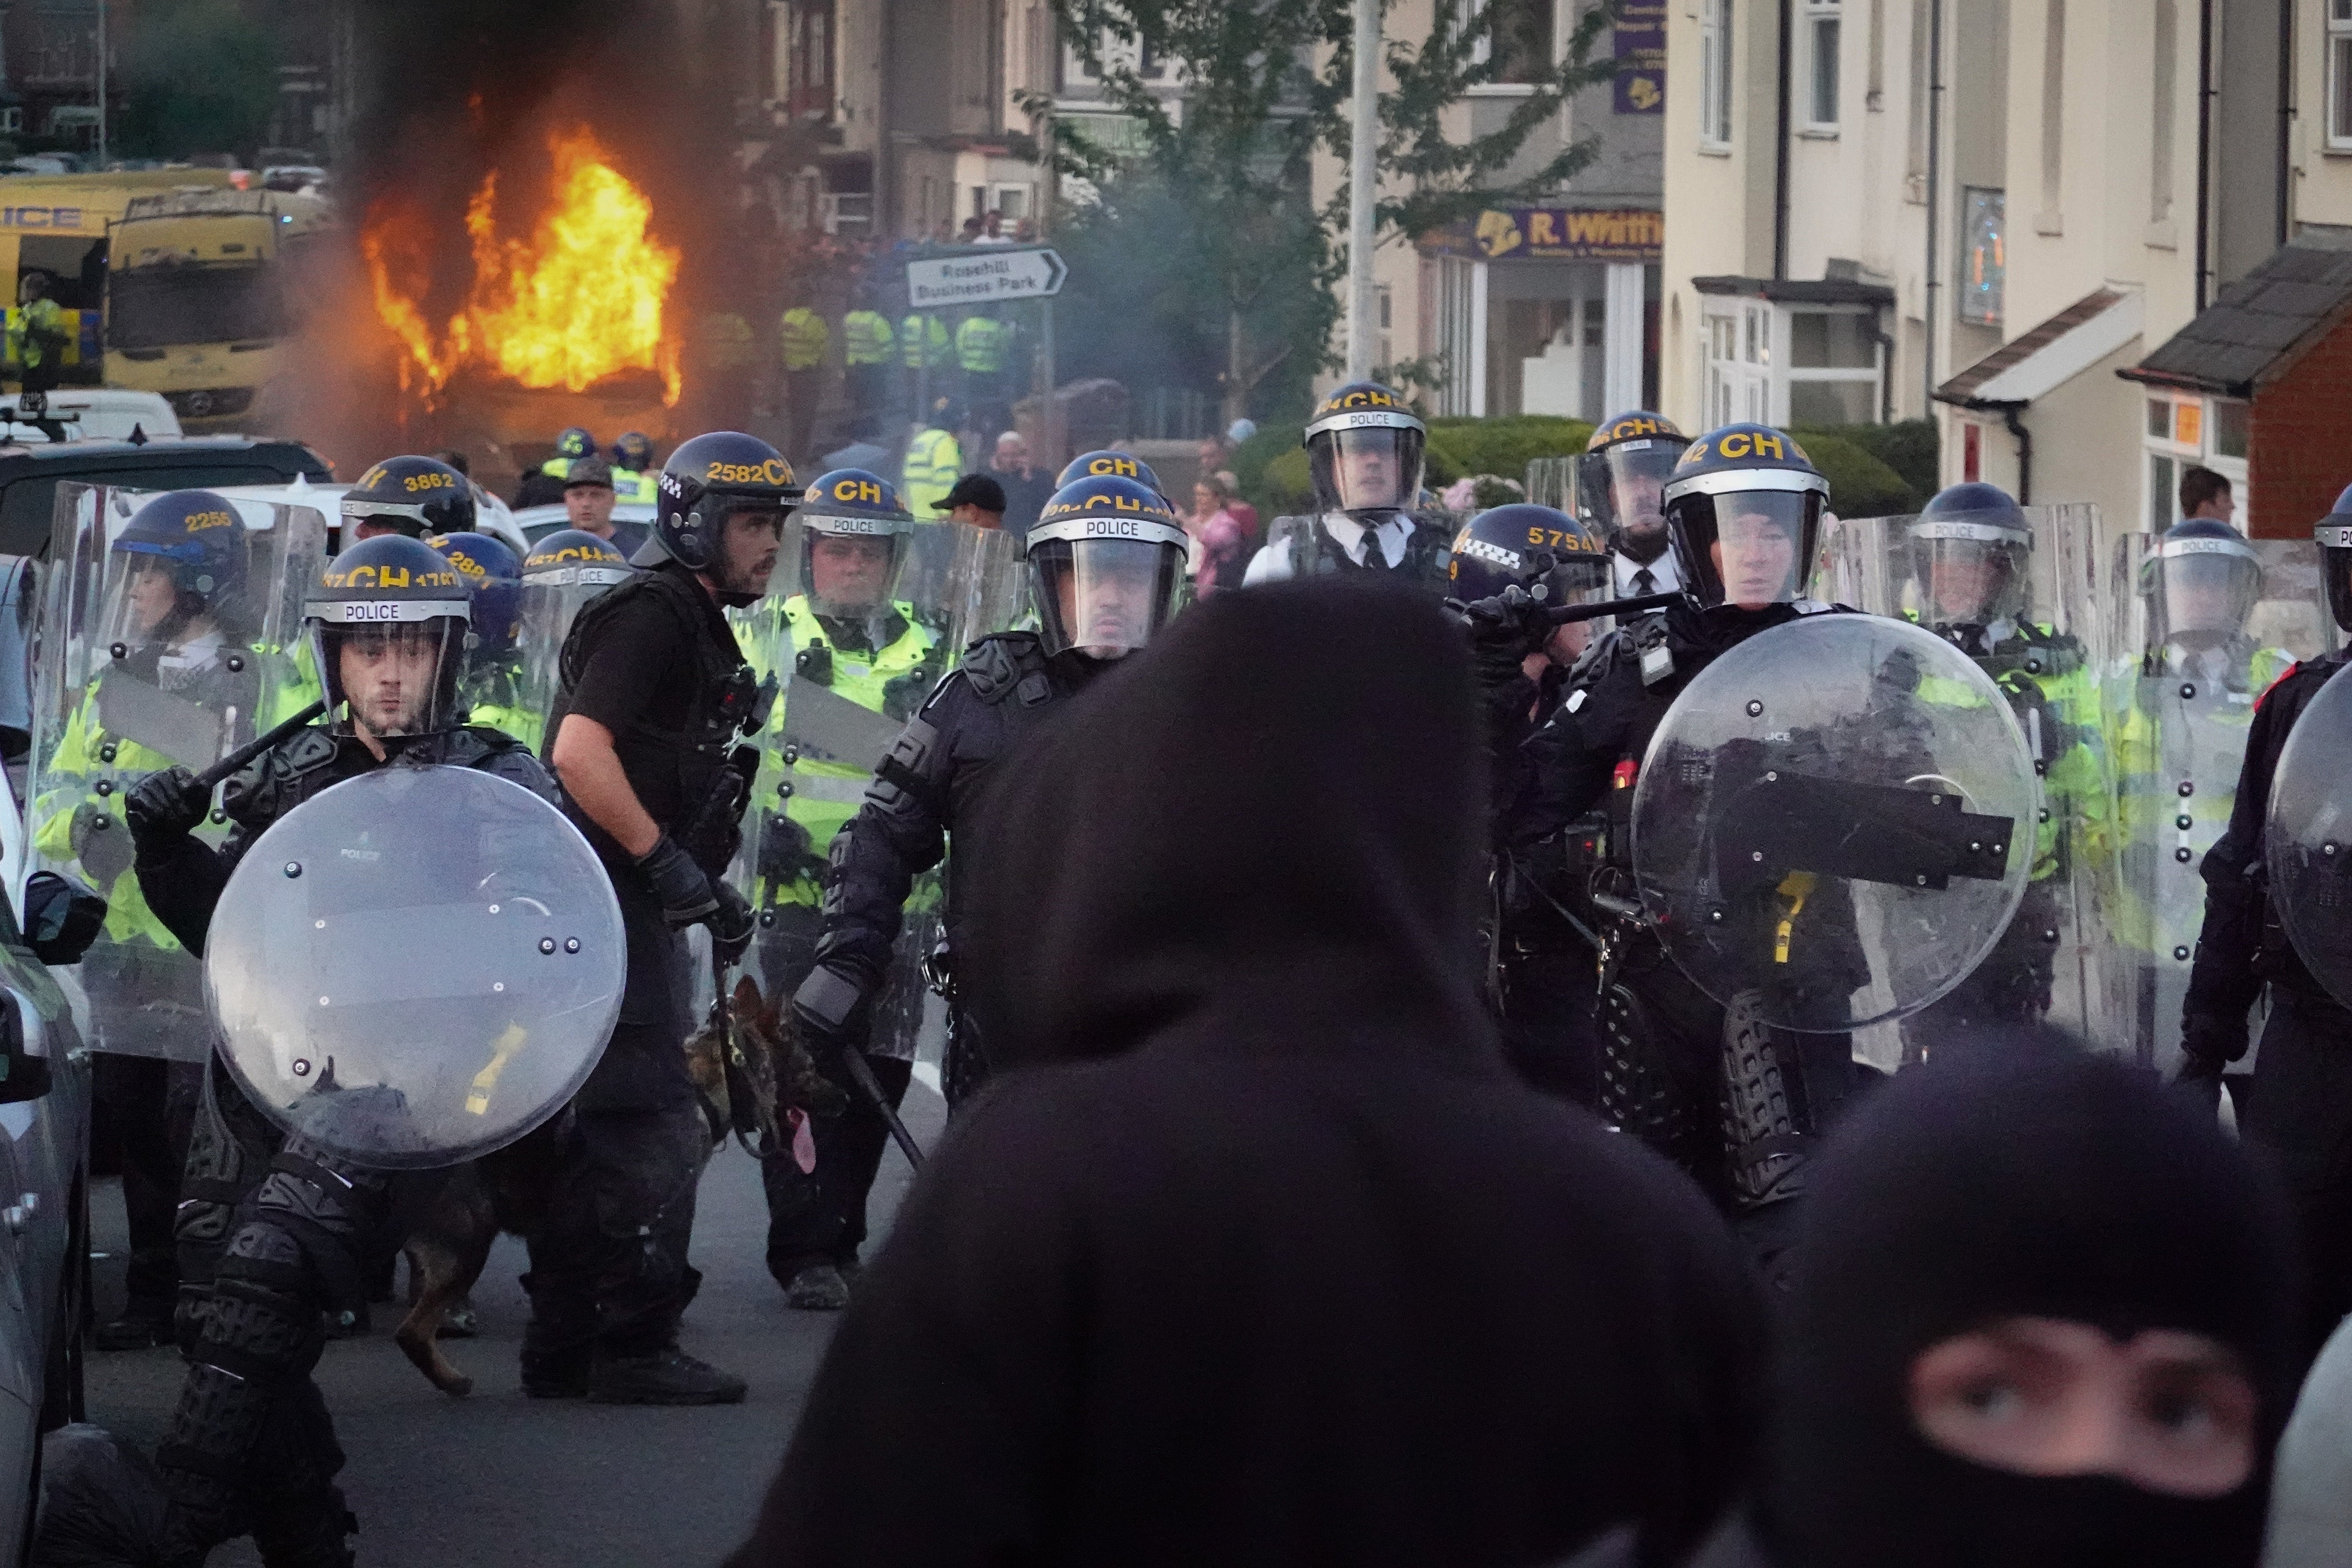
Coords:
pixel 831 1005
pixel 731 925
pixel 686 892
pixel 166 806
pixel 2200 1078
pixel 2212 1041
pixel 1503 631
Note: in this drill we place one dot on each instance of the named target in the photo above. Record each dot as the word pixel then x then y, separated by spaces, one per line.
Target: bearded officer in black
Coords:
pixel 649 733
pixel 1106 560
pixel 1744 508
pixel 272 1229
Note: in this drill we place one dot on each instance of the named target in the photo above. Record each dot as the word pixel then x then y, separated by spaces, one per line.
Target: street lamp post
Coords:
pixel 102 83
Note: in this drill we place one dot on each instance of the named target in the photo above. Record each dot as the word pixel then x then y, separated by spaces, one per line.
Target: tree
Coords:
pixel 1261 84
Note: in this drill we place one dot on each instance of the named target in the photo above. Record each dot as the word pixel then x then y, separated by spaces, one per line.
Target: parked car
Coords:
pixel 30 475
pixel 492 515
pixel 90 413
pixel 537 522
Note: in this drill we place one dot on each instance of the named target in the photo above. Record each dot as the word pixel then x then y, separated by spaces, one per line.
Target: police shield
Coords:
pixel 857 643
pixel 2018 594
pixel 156 646
pixel 415 967
pixel 562 572
pixel 2195 637
pixel 1831 822
pixel 2308 839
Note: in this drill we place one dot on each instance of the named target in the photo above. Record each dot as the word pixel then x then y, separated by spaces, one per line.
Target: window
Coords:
pixel 1513 36
pixel 1790 365
pixel 1984 263
pixel 1821 35
pixel 809 93
pixel 1714 74
pixel 2183 429
pixel 2165 84
pixel 2339 76
pixel 1833 370
pixel 1738 345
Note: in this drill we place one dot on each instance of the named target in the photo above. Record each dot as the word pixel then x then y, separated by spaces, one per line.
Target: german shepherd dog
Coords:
pixel 745 1059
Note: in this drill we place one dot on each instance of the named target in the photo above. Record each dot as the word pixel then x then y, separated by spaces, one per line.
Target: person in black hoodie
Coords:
pixel 1255 1251
pixel 2045 1316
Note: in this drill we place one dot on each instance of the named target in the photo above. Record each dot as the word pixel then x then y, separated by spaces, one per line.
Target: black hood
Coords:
pixel 2048 1185
pixel 1265 829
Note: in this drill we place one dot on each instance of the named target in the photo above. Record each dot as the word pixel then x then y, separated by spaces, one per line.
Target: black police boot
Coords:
pixel 817 1287
pixel 556 1377
pixel 666 1377
pixel 144 1324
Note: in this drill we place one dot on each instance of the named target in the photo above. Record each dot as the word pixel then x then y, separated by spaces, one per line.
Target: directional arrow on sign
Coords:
pixel 983 274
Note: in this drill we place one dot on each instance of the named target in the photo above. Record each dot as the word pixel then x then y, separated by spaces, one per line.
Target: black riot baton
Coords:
pixel 220 770
pixel 855 1060
pixel 1564 614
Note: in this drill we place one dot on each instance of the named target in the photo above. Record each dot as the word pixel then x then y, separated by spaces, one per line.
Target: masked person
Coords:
pixel 2181 712
pixel 2300 1108
pixel 2046 1317
pixel 855 639
pixel 1105 561
pixel 1263 1177
pixel 649 733
pixel 178 610
pixel 273 1231
pixel 409 495
pixel 1540 918
pixel 1970 555
pixel 1744 508
pixel 1364 450
pixel 491 686
pixel 1620 489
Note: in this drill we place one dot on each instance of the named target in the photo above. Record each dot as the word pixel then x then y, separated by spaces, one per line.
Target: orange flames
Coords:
pixel 580 301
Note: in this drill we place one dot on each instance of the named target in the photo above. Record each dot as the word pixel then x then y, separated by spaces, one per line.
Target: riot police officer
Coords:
pixel 1969 563
pixel 410 495
pixel 489 686
pixel 1620 489
pixel 1744 509
pixel 1105 561
pixel 655 704
pixel 1107 463
pixel 856 639
pixel 2301 1107
pixel 272 1230
pixel 1364 449
pixel 1541 948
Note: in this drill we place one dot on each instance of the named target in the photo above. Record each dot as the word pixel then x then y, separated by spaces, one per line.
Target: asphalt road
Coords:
pixel 502 1480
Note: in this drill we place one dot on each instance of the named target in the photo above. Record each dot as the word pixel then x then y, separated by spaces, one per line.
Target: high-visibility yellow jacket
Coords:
pixel 867 338
pixel 918 346
pixel 934 463
pixel 804 338
pixel 980 345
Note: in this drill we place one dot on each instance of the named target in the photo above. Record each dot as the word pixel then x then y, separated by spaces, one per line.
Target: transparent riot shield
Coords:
pixel 2181 674
pixel 849 683
pixel 1304 547
pixel 555 588
pixel 2028 614
pixel 415 967
pixel 1830 825
pixel 135 672
pixel 2308 839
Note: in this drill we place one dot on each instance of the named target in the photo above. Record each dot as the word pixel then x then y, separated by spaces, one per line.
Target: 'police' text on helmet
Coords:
pixel 1364 448
pixel 387 623
pixel 1106 560
pixel 1743 509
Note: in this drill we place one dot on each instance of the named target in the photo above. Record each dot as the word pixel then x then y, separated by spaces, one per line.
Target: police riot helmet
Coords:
pixel 1560 559
pixel 1620 481
pixel 634 451
pixel 855 518
pixel 1364 449
pixel 411 495
pixel 1106 560
pixel 1109 464
pixel 574 442
pixel 2202 581
pixel 194 538
pixel 573 555
pixel 494 584
pixel 403 611
pixel 706 480
pixel 2332 534
pixel 1970 550
pixel 1744 511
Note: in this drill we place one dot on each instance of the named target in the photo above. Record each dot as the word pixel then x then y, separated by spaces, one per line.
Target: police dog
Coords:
pixel 745 1060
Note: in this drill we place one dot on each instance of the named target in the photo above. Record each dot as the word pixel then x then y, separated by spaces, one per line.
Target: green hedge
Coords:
pixel 1504 445
pixel 1884 471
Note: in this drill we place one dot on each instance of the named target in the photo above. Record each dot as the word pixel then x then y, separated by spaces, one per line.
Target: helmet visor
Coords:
pixel 399 678
pixel 1105 596
pixel 1623 489
pixel 2206 594
pixel 1971 582
pixel 2336 572
pixel 1749 548
pixel 850 575
pixel 1372 469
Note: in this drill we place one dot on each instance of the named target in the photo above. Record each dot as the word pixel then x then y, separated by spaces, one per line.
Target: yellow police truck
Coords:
pixel 203 287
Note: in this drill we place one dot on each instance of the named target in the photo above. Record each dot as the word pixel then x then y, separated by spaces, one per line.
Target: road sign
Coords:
pixel 982 275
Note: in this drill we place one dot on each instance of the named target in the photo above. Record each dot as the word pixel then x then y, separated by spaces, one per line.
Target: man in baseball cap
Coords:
pixel 977 499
